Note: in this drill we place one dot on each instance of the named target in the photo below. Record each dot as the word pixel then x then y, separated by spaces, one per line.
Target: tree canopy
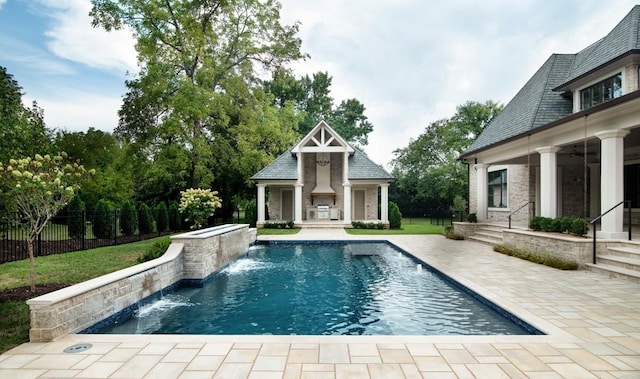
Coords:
pixel 428 171
pixel 198 60
pixel 311 97
pixel 22 129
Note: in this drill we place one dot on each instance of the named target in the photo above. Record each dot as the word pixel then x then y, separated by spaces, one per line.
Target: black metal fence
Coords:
pixel 436 216
pixel 78 230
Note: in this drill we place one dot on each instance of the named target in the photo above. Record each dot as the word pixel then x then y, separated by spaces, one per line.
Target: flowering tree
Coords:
pixel 198 204
pixel 33 190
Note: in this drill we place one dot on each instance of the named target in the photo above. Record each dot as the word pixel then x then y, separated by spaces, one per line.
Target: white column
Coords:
pixel 261 203
pixel 481 191
pixel 346 214
pixel 346 188
pixel 297 203
pixel 594 186
pixel 384 203
pixel 538 197
pixel 548 181
pixel 612 182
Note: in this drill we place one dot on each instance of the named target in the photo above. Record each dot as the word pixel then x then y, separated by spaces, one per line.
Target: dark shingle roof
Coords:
pixel 540 101
pixel 362 167
pixel 623 39
pixel 535 105
pixel 285 168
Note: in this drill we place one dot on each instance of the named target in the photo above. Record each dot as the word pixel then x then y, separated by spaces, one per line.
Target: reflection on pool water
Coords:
pixel 321 289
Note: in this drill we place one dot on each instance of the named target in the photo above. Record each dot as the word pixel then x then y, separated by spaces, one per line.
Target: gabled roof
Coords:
pixel 321 138
pixel 535 105
pixel 285 167
pixel 622 40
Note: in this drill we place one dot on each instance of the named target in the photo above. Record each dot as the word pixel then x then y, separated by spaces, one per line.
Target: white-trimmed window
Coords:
pixel 497 191
pixel 601 92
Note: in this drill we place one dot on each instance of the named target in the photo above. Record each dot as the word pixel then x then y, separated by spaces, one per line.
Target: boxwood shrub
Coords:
pixel 573 225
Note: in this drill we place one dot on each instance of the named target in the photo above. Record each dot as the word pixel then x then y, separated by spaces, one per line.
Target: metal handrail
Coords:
pixel 594 222
pixel 517 210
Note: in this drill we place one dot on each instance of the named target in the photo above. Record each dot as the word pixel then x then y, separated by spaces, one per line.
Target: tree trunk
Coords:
pixel 32 271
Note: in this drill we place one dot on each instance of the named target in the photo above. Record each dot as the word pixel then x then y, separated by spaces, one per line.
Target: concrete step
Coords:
pixel 485 240
pixel 625 252
pixel 615 272
pixel 491 228
pixel 622 262
pixel 489 234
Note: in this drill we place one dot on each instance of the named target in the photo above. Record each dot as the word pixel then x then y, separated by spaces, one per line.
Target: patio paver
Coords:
pixel 592 324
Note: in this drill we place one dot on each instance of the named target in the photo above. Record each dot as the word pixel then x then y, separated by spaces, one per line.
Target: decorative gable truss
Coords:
pixel 322 139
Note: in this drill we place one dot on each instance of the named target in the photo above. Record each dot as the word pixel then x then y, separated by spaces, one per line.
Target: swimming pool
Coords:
pixel 320 288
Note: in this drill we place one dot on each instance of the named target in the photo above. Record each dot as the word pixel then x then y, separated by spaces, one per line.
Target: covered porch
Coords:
pixel 586 165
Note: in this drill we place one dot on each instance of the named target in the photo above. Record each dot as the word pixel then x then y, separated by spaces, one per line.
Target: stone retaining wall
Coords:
pixel 571 248
pixel 191 256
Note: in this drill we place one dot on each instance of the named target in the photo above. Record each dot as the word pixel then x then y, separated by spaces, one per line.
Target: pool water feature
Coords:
pixel 321 289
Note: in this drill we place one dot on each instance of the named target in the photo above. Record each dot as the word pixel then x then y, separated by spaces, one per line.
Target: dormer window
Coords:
pixel 601 92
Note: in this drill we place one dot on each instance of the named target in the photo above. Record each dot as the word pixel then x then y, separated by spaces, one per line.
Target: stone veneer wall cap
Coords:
pixel 173 252
pixel 551 235
pixel 209 232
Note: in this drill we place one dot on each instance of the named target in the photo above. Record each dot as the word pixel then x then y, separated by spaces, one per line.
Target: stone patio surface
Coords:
pixel 592 324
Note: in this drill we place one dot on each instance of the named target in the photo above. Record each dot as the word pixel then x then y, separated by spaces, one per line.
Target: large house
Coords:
pixel 568 143
pixel 323 180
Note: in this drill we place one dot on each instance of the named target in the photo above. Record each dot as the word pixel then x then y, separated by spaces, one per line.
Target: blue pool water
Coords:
pixel 321 289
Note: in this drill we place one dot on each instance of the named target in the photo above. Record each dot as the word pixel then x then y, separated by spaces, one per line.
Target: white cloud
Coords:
pixel 412 62
pixel 77 111
pixel 72 37
pixel 2 2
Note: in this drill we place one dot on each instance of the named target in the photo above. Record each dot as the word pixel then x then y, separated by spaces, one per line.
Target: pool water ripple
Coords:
pixel 321 289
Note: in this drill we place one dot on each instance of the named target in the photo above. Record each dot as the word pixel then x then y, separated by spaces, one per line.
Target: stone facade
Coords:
pixel 570 248
pixel 336 181
pixel 520 190
pixel 191 256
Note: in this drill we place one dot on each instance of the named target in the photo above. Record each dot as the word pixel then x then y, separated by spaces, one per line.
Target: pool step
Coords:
pixel 488 235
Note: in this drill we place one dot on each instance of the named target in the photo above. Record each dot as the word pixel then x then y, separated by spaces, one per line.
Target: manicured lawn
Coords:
pixel 409 226
pixel 279 232
pixel 69 268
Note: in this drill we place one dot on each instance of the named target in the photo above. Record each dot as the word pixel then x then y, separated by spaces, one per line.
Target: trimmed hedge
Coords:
pixel 128 218
pixel 279 225
pixel 104 219
pixel 395 217
pixel 76 221
pixel 156 250
pixel 163 217
pixel 367 225
pixel 572 225
pixel 174 217
pixel 145 219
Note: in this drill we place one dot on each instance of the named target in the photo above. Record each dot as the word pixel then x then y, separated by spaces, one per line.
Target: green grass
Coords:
pixel 278 232
pixel 51 232
pixel 409 226
pixel 67 268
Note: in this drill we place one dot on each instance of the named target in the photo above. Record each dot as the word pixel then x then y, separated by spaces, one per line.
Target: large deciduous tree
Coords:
pixel 311 98
pixel 111 158
pixel 198 59
pixel 428 171
pixel 22 129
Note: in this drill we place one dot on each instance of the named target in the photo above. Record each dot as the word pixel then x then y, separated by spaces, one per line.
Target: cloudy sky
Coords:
pixel 410 62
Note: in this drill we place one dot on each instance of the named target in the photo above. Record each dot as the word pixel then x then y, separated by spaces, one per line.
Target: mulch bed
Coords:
pixel 24 293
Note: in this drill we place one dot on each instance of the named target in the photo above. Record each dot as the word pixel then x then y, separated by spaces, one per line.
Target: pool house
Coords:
pixel 323 181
